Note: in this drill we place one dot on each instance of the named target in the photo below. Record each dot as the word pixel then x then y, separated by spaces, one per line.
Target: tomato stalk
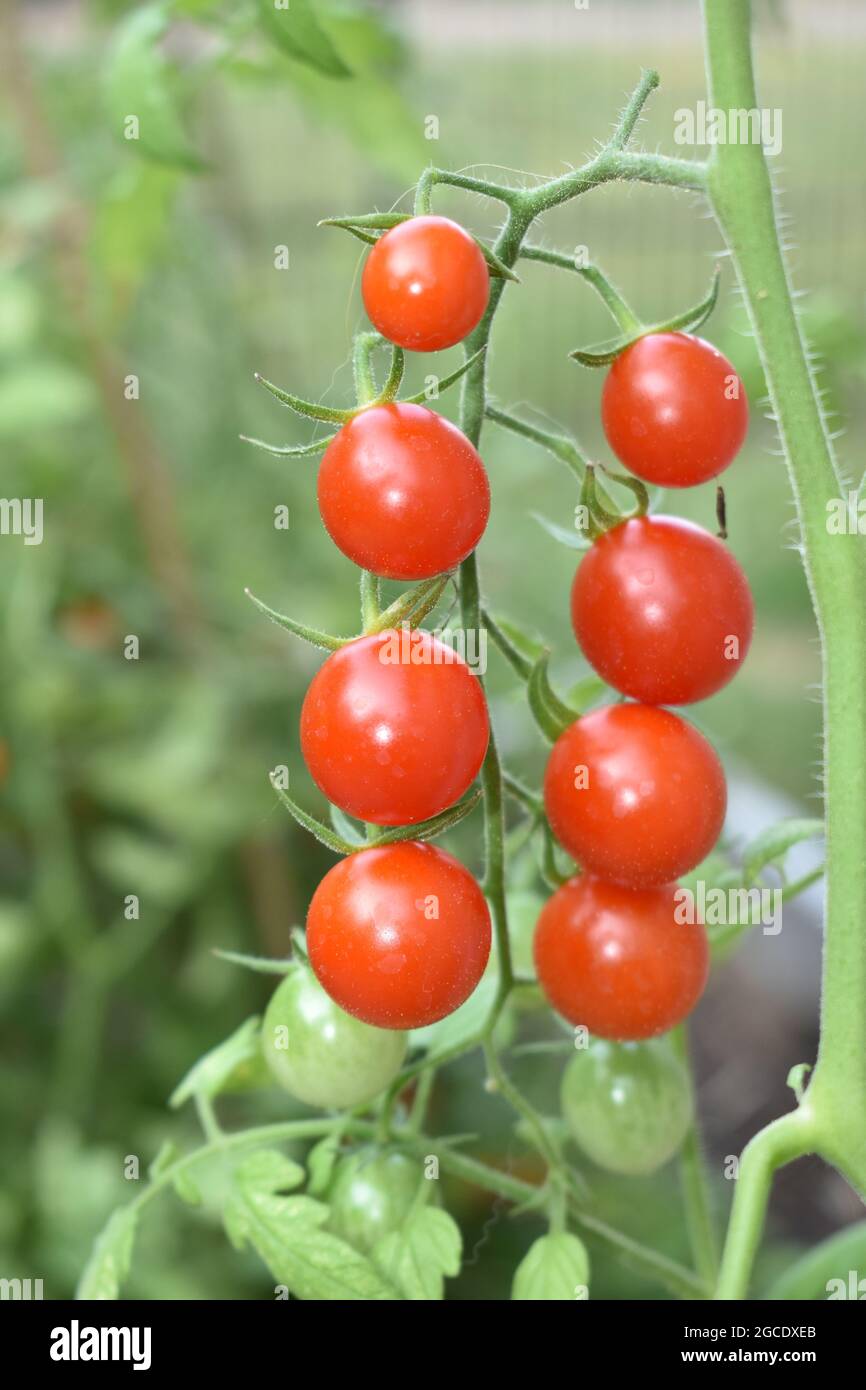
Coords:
pixel 831 1118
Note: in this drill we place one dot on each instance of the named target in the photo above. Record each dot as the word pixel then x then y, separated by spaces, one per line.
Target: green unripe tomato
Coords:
pixel 321 1055
pixel 371 1194
pixel 628 1105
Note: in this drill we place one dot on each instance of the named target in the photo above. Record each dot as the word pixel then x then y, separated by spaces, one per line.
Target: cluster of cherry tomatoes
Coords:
pixel 399 934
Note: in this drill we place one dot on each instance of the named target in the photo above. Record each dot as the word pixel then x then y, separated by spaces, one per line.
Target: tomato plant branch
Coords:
pixel 833 1111
pixel 607 291
pixel 695 1185
pixel 560 445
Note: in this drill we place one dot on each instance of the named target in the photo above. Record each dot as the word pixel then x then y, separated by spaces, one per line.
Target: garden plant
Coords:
pixel 409 959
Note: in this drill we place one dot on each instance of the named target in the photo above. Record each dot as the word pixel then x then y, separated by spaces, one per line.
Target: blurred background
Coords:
pixel 138 294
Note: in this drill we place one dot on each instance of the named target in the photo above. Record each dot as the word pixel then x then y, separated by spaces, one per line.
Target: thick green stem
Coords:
pixel 785 1139
pixel 741 194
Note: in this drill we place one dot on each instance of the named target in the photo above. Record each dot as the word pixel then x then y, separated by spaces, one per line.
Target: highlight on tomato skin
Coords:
pixel 394 731
pixel 425 284
pixel 674 410
pixel 403 493
pixel 635 794
pixel 399 935
pixel 662 610
pixel 618 961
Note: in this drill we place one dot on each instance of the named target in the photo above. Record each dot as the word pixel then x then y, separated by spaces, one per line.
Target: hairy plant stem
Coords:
pixel 831 1119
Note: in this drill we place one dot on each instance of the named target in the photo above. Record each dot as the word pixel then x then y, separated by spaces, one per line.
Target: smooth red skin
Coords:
pixel 394 742
pixel 653 606
pixel 616 961
pixel 425 284
pixel 665 412
pixel 654 801
pixel 376 952
pixel 403 493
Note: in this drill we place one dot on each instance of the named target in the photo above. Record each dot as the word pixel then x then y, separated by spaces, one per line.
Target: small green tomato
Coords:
pixel 371 1195
pixel 321 1055
pixel 628 1105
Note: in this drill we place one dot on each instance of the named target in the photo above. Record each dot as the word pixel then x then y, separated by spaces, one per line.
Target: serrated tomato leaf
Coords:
pixel 418 1257
pixel 286 1232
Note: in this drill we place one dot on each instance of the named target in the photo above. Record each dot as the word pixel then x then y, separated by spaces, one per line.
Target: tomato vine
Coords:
pixel 829 1115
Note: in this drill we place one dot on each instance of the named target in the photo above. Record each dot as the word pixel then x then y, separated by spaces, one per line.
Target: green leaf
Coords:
pixel 182 1182
pixel 286 1233
pixel 550 713
pixel 429 829
pixel 294 28
pixel 310 409
pixel 530 647
pixel 325 640
pixel 556 1267
pixel 265 965
pixel 461 1025
pixel 496 267
pixel 423 398
pixel 111 1257
pixel 575 540
pixel 295 451
pixel 771 846
pixel 346 828
pixel 587 692
pixel 810 1277
pixel 320 1164
pixel 139 83
pixel 688 321
pixel 367 221
pixel 215 1071
pixel 315 827
pixel 418 1257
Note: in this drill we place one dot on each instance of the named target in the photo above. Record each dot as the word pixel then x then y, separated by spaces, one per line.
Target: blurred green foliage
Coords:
pixel 154 259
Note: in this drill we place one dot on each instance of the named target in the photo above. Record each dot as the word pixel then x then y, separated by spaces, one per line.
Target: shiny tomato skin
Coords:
pixel 674 410
pixel 616 960
pixel 319 1053
pixel 394 727
pixel 425 284
pixel 635 794
pixel 372 1193
pixel 399 936
pixel 628 1105
pixel 403 493
pixel 662 610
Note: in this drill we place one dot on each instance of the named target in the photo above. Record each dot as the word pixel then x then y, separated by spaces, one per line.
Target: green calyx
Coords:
pixel 689 321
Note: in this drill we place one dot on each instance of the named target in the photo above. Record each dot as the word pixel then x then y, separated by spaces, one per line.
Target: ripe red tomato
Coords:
pixel 399 936
pixel 674 410
pixel 403 493
pixel 662 610
pixel 425 284
pixel 635 794
pixel 394 727
pixel 616 961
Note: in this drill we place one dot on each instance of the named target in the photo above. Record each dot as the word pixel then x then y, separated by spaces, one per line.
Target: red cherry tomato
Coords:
pixel 394 727
pixel 635 794
pixel 403 493
pixel 674 410
pixel 617 961
pixel 399 936
pixel 662 610
pixel 425 284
